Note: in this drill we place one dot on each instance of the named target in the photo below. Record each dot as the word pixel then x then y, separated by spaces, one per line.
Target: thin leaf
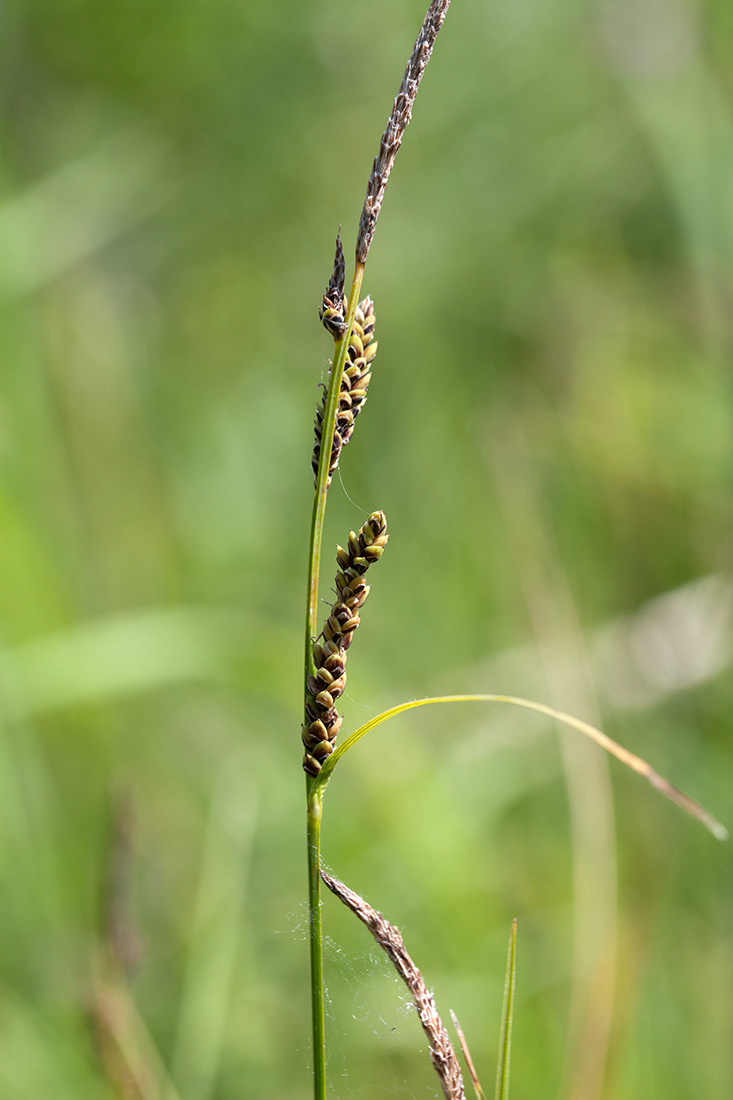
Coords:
pixel 628 758
pixel 468 1059
pixel 507 1015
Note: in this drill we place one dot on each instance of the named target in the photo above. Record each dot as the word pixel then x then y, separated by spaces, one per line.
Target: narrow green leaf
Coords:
pixel 507 1015
pixel 628 758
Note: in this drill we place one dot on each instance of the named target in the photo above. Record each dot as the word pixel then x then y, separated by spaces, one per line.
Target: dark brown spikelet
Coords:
pixel 442 1054
pixel 397 124
pixel 332 312
pixel 329 654
pixel 354 384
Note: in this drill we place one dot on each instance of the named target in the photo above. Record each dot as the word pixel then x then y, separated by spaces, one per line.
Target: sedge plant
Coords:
pixel 351 322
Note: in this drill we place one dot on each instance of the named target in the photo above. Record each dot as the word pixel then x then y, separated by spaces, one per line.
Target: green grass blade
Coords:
pixel 628 758
pixel 507 1015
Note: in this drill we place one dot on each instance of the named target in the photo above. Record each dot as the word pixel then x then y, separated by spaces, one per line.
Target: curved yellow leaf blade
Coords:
pixel 630 759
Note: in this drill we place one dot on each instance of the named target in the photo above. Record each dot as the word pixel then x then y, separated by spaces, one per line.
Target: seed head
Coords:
pixel 397 124
pixel 332 307
pixel 329 655
pixel 354 384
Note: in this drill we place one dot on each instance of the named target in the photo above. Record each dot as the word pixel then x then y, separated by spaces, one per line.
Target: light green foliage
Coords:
pixel 507 1018
pixel 551 275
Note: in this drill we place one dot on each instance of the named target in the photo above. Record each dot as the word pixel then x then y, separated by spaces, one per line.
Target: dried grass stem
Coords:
pixel 442 1054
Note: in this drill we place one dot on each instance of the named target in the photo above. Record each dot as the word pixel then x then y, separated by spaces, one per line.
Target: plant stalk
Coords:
pixel 315 925
pixel 315 792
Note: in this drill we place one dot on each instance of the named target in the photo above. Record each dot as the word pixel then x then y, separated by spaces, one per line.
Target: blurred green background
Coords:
pixel 549 433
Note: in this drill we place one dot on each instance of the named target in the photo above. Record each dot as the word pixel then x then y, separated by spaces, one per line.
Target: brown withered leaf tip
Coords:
pixel 397 124
pixel 353 391
pixel 329 655
pixel 442 1054
pixel 332 310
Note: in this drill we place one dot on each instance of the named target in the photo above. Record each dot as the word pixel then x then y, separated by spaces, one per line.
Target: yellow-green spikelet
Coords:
pixel 329 655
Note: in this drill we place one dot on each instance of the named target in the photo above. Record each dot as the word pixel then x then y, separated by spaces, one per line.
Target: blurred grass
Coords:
pixel 553 282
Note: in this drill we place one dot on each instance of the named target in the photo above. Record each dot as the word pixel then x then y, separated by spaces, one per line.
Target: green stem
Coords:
pixel 315 793
pixel 315 810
